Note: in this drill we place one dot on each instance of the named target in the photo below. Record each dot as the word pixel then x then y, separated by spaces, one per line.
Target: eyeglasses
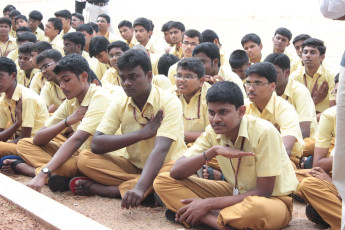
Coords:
pixel 255 84
pixel 45 66
pixel 115 55
pixel 187 77
pixel 193 44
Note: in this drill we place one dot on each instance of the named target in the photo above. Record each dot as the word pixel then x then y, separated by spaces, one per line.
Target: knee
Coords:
pixel 83 161
pixel 308 184
pixel 22 145
pixel 160 181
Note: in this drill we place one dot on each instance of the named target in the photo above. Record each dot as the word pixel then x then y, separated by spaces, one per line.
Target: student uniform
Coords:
pixel 295 65
pixel 284 117
pixel 111 76
pixel 37 82
pixel 62 33
pixel 57 44
pixel 322 74
pixel 92 61
pixel 23 80
pixel 177 53
pixel 124 169
pixel 254 212
pixel 101 68
pixel 52 94
pixel 97 100
pixel 228 75
pixel 8 46
pixel 13 55
pixel 133 41
pixel 34 114
pixel 40 35
pixel 152 47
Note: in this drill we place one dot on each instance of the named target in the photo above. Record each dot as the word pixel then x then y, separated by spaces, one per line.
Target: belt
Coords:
pixel 99 3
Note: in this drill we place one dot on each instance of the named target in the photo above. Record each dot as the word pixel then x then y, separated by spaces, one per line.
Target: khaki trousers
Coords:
pixel 323 197
pixel 253 212
pixel 112 170
pixel 7 148
pixel 39 156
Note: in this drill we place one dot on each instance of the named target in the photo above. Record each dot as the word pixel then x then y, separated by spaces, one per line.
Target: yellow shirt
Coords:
pixel 295 65
pixel 13 55
pixel 121 113
pixel 23 80
pixel 40 35
pixel 195 113
pixel 228 75
pixel 172 72
pixel 57 44
pixel 62 33
pixel 101 69
pixel 283 116
pixel 270 159
pixel 326 128
pixel 111 77
pixel 162 82
pixel 13 33
pixel 154 58
pixel 37 82
pixel 92 61
pixel 177 53
pixel 322 74
pixel 96 99
pixel 34 111
pixel 52 94
pixel 298 96
pixel 133 42
pixel 8 46
pixel 291 56
pixel 152 47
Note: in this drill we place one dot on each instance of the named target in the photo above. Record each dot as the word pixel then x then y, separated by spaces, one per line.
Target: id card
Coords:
pixel 235 191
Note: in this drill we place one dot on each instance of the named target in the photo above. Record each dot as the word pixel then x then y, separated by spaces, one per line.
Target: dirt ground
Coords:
pixel 231 20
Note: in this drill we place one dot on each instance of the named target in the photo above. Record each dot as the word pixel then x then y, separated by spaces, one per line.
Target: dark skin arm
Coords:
pixel 26 132
pixel 196 209
pixel 132 198
pixel 321 160
pixel 289 141
pixel 191 136
pixel 45 135
pixel 305 128
pixel 61 156
pixel 102 143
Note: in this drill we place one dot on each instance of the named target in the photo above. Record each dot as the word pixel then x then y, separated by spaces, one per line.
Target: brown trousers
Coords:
pixel 253 212
pixel 112 170
pixel 7 148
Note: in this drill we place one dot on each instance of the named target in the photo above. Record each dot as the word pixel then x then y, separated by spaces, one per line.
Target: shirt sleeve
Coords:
pixel 288 120
pixel 203 143
pixel 46 96
pixel 60 114
pixel 3 120
pixel 30 109
pixel 304 105
pixel 325 132
pixel 111 120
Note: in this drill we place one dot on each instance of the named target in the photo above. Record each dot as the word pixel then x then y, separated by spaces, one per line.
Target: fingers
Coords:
pixel 187 201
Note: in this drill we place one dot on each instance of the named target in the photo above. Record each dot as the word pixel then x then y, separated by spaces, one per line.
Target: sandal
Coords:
pixel 18 160
pixel 307 161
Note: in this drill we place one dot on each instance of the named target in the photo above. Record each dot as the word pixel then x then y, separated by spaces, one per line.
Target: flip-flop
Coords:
pixel 72 183
pixel 211 174
pixel 58 183
pixel 307 161
pixel 18 160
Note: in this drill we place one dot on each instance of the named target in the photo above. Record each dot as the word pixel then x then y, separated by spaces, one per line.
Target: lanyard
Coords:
pixel 61 99
pixel 238 165
pixel 142 113
pixel 2 54
pixel 305 80
pixel 188 119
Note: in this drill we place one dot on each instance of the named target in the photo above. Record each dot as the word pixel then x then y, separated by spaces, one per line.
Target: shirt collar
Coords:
pixel 87 98
pixel 242 132
pixel 150 99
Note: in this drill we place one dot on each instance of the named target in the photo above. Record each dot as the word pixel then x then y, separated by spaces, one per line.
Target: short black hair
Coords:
pixel 316 43
pixel 301 37
pixel 209 36
pixel 263 69
pixel 210 49
pixel 75 63
pixel 8 8
pixel 279 59
pixel 94 26
pixel 336 78
pixel 36 15
pixel 192 64
pixel 144 22
pixel 79 16
pixel 57 23
pixel 4 20
pixel 14 13
pixel 27 36
pixel 133 58
pixel 118 44
pixel 20 17
pixel 23 29
pixel 283 31
pixel 165 26
pixel 50 53
pixel 7 65
pixel 66 14
pixel 225 92
pixel 41 46
pixel 177 25
pixel 125 23
pixel 98 44
pixel 105 16
pixel 25 48
pixel 251 38
pixel 164 63
pixel 85 27
pixel 75 37
pixel 238 58
pixel 93 77
pixel 193 34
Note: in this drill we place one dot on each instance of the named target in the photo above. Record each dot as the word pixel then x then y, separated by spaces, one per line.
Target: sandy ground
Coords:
pixel 231 20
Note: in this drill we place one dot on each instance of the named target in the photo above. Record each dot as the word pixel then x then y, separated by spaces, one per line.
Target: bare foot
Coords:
pixel 89 188
pixel 22 168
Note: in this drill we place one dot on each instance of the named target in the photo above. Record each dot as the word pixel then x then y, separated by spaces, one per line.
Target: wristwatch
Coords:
pixel 45 170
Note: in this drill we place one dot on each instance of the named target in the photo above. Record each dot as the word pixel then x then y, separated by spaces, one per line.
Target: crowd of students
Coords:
pixel 222 140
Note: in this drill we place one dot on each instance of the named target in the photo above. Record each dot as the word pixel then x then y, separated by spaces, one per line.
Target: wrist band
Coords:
pixel 66 122
pixel 204 154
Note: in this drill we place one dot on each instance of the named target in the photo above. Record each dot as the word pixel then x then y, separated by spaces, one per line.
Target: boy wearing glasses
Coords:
pixel 22 111
pixel 192 92
pixel 152 135
pixel 264 103
pixel 48 153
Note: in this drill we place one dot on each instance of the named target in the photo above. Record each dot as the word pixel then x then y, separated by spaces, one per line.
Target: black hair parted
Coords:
pixel 7 65
pixel 210 49
pixel 279 59
pixel 118 44
pixel 133 58
pixel 238 58
pixel 263 69
pixel 50 53
pixel 98 44
pixel 192 64
pixel 165 62
pixel 225 92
